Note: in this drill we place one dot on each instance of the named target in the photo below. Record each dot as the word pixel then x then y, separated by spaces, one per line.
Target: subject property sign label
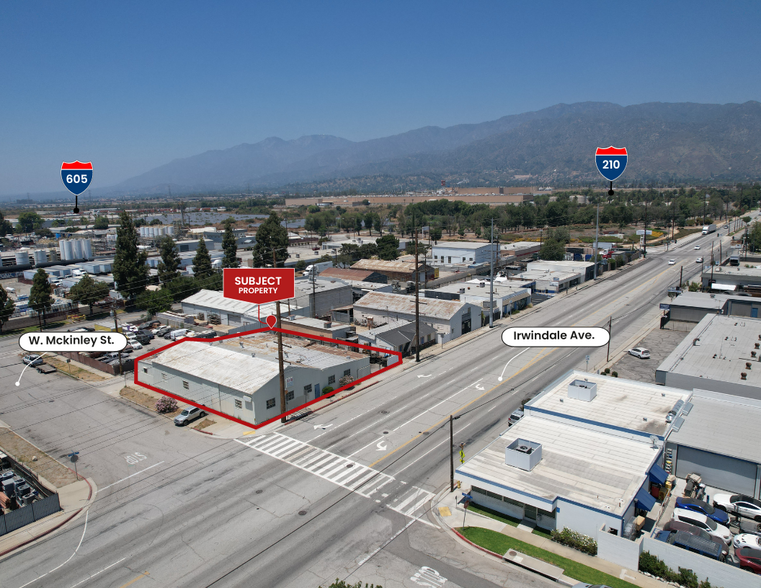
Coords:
pixel 259 285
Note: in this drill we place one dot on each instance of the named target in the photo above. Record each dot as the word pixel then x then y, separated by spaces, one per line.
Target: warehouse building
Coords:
pixel 464 253
pixel 397 270
pixel 689 308
pixel 449 318
pixel 399 336
pixel 729 460
pixel 354 275
pixel 240 377
pixel 520 250
pixel 507 299
pixel 585 456
pixel 727 278
pixel 721 354
pixel 585 269
pixel 549 282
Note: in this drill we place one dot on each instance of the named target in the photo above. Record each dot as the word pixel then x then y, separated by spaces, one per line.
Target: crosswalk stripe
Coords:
pixel 284 450
pixel 409 499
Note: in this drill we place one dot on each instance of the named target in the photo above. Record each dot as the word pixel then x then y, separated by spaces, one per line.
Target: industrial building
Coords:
pixel 399 335
pixel 449 318
pixel 585 269
pixel 721 354
pixel 464 253
pixel 240 377
pixel 354 275
pixel 584 456
pixel 507 298
pixel 689 308
pixel 726 278
pixel 729 459
pixel 520 250
pixel 397 270
pixel 549 282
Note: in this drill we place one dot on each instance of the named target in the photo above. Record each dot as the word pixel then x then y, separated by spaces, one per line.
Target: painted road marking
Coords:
pixel 100 572
pixel 429 577
pixel 132 476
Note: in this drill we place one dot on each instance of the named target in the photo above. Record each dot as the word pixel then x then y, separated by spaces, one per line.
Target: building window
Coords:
pixel 164 377
pixel 308 389
pixel 271 403
pixel 347 372
pixel 289 396
pixel 546 514
pixel 331 379
pixel 185 385
pixel 145 370
pixel 238 404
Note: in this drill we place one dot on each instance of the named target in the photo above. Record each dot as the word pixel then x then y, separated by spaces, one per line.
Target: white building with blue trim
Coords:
pixel 587 455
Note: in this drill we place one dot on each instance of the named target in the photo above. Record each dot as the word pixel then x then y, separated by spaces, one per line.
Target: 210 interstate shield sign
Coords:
pixel 611 161
pixel 76 176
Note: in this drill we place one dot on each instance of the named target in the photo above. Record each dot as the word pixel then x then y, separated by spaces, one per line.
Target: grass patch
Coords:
pixel 493 514
pixel 499 543
pixel 542 533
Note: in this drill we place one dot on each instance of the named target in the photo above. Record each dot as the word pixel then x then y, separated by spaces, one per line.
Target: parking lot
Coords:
pixel 660 343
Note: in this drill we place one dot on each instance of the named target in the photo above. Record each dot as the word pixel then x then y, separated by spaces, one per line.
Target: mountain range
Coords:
pixel 554 146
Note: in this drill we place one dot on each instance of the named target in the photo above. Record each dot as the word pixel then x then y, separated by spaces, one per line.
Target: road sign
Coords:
pixel 611 161
pixel 664 306
pixel 76 176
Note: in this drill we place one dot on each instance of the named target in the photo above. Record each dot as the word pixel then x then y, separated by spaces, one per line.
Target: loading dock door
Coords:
pixel 727 473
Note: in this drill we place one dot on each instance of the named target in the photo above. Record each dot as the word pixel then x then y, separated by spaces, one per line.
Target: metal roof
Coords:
pixel 588 466
pixel 380 265
pixel 297 352
pixel 387 303
pixel 718 348
pixel 462 245
pixel 342 273
pixel 635 406
pixel 216 301
pixel 219 364
pixel 737 418
pixel 703 300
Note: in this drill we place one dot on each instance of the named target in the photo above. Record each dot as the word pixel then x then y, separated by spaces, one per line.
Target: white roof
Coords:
pixel 588 466
pixel 460 245
pixel 216 301
pixel 627 404
pixel 386 303
pixel 218 364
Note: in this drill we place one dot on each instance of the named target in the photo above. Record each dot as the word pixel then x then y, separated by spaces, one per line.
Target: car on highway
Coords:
pixel 717 514
pixel 697 247
pixel 750 559
pixel 699 260
pixel 32 360
pixel 672 261
pixel 745 506
pixel 703 522
pixel 640 352
pixel 188 416
pixel 746 540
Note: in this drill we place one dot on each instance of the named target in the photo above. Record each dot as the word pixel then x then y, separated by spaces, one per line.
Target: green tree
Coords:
pixel 28 221
pixel 270 236
pixel 552 250
pixel 129 269
pixel 378 224
pixel 6 228
pixel 88 291
pixel 230 247
pixel 301 265
pixel 40 297
pixel 202 261
pixel 155 221
pixel 388 247
pixel 370 221
pixel 7 306
pixel 101 222
pixel 154 302
pixel 169 266
pixel 183 287
pixel 435 233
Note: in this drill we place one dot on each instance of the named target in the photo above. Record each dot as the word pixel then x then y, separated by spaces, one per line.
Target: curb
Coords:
pixel 460 535
pixel 41 535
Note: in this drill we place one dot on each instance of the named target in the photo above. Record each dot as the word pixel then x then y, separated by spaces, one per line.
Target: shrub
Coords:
pixel 345 381
pixel 166 404
pixel 327 389
pixel 606 371
pixel 614 374
pixel 576 540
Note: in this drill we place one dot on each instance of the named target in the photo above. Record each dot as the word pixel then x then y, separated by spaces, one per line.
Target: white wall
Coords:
pixel 583 520
pixel 616 549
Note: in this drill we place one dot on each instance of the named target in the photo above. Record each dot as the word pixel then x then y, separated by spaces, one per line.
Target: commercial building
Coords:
pixel 240 377
pixel 721 354
pixel 449 318
pixel 520 250
pixel 212 306
pixel 354 275
pixel 585 269
pixel 726 278
pixel 584 456
pixel 399 336
pixel 464 253
pixel 396 270
pixel 689 308
pixel 507 299
pixel 549 282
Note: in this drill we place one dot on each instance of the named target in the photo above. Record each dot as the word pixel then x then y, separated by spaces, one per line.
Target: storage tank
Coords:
pixel 40 256
pixel 170 230
pixel 76 249
pixel 87 249
pixel 22 257
pixel 65 248
pixel 54 255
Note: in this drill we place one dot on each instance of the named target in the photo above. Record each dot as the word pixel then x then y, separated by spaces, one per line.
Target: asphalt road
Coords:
pixel 345 493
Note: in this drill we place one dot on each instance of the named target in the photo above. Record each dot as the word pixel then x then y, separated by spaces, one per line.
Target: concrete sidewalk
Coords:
pixel 449 513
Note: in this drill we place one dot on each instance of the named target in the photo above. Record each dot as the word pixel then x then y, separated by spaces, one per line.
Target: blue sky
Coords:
pixel 133 85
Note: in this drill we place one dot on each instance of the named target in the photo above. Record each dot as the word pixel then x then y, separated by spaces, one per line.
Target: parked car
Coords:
pixel 692 543
pixel 175 335
pixel 162 331
pixel 693 530
pixel 81 330
pixel 188 416
pixel 133 346
pixel 750 559
pixel 703 522
pixel 746 540
pixel 640 352
pixel 145 333
pixel 745 506
pixel 515 417
pixel 672 261
pixel 32 360
pixel 718 515
pixel 750 528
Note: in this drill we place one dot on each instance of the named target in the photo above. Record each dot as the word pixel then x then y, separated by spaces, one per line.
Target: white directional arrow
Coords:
pixel 323 426
pixel 382 446
pixel 428 376
pixel 480 387
pixel 508 363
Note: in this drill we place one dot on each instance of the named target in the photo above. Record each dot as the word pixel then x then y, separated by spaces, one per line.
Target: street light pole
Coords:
pixel 452 419
pixel 491 277
pixel 417 299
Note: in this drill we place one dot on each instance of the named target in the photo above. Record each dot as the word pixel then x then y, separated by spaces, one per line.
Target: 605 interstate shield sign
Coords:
pixel 76 176
pixel 611 161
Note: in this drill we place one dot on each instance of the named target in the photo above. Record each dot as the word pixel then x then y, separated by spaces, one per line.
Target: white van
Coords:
pixel 174 335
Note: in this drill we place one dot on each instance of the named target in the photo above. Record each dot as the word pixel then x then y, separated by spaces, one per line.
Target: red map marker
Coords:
pixel 271 321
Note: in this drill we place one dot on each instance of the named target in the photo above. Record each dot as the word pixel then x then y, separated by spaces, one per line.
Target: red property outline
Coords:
pixel 262 330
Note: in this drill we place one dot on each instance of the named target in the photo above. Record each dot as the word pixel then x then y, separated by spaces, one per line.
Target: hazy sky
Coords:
pixel 133 85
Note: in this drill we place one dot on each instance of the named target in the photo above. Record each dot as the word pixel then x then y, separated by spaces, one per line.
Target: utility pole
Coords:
pixel 451 451
pixel 712 264
pixel 681 272
pixel 491 277
pixel 597 232
pixel 644 236
pixel 417 299
pixel 610 325
pixel 280 350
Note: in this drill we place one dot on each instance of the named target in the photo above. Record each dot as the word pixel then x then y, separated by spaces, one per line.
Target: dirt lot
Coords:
pixel 660 342
pixel 74 370
pixel 203 424
pixel 145 399
pixel 47 467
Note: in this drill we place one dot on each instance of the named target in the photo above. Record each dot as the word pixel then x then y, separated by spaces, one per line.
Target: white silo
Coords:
pixel 77 253
pixel 142 231
pixel 65 248
pixel 170 230
pixel 40 256
pixel 22 257
pixel 87 249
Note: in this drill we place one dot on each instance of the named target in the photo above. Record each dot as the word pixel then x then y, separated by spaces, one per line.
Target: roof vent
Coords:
pixel 757 345
pixel 743 376
pixel 462 290
pixel 747 365
pixel 753 354
pixel 523 454
pixel 582 390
